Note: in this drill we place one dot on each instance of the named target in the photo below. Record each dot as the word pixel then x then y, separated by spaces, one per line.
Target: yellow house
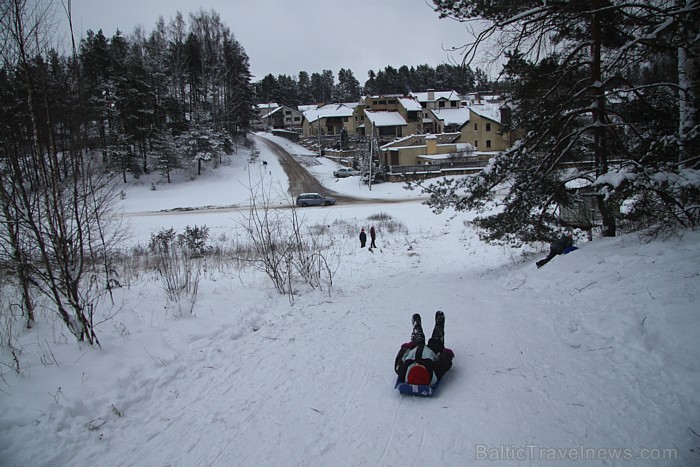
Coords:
pixel 448 119
pixel 420 149
pixel 282 117
pixel 329 120
pixel 484 130
pixel 437 101
pixel 391 115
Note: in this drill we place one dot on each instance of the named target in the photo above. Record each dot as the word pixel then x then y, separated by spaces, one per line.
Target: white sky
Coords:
pixel 285 36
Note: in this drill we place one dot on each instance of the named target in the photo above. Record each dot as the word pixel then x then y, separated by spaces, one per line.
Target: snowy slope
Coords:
pixel 596 351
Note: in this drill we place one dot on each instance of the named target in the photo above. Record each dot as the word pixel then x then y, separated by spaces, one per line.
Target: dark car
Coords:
pixel 314 199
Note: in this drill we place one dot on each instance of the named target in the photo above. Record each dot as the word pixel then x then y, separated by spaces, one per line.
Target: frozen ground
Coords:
pixel 591 360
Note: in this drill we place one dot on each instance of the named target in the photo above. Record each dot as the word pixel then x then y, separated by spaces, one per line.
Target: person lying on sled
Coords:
pixel 420 364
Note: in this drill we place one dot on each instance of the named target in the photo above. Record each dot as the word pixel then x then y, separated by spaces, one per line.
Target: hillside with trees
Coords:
pixel 71 125
pixel 604 94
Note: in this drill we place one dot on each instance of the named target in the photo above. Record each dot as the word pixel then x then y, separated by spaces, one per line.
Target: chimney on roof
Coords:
pixel 431 145
pixel 505 114
pixel 431 94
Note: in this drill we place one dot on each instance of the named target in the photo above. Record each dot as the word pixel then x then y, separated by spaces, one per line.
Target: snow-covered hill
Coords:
pixel 590 360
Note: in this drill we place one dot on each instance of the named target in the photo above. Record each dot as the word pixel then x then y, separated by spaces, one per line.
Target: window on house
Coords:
pixel 288 112
pixel 488 143
pixel 381 102
pixel 488 127
pixel 476 144
pixel 453 104
pixel 296 119
pixel 345 119
pixel 442 103
pixel 475 127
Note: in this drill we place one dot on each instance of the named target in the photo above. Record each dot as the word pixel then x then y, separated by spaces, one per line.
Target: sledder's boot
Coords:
pixel 417 335
pixel 439 329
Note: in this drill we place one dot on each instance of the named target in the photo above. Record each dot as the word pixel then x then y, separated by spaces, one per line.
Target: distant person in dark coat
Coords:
pixel 557 247
pixel 363 238
pixel 373 237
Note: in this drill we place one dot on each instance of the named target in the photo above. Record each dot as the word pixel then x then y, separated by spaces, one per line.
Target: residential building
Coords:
pixel 421 149
pixel 484 129
pixel 282 118
pixel 329 120
pixel 435 100
pixel 448 119
pixel 388 116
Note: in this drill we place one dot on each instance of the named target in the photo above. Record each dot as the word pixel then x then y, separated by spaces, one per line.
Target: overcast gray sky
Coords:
pixel 288 36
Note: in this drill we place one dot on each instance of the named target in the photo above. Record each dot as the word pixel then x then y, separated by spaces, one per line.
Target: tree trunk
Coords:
pixel 599 130
pixel 688 83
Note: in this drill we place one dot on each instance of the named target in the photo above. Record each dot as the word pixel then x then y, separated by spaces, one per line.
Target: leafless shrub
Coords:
pixel 11 318
pixel 176 261
pixel 387 224
pixel 381 216
pixel 285 249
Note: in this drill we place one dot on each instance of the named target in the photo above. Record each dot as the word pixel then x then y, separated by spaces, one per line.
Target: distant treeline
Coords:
pixel 321 87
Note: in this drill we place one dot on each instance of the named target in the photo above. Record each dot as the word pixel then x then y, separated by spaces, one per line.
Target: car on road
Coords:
pixel 345 172
pixel 314 199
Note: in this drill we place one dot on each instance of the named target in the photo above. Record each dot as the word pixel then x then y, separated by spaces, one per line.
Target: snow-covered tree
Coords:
pixel 55 198
pixel 570 63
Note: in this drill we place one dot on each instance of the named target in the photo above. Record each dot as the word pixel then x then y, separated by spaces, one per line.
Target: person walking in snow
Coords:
pixel 557 247
pixel 418 363
pixel 373 237
pixel 363 238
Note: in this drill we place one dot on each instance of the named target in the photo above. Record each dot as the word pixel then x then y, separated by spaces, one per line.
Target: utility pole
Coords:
pixel 372 142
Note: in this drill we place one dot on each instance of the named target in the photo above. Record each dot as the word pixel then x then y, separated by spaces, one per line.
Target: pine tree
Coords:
pixel 348 86
pixel 304 86
pixel 569 62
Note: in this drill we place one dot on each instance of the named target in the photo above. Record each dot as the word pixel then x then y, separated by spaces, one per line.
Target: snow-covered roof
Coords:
pixel 419 141
pixel 452 116
pixel 382 96
pixel 410 104
pixel 328 111
pixel 437 95
pixel 381 118
pixel 269 105
pixel 435 157
pixel 269 114
pixel 304 108
pixel 490 111
pixel 478 98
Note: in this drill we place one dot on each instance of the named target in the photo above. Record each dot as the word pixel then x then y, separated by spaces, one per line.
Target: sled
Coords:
pixel 424 390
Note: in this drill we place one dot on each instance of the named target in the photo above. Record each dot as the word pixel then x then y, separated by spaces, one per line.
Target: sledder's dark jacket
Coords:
pixel 557 247
pixel 412 353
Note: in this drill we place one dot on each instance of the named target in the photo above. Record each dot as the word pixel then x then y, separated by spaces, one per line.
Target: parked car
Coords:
pixel 345 172
pixel 314 199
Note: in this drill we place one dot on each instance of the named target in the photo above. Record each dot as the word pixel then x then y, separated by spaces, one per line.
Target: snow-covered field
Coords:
pixel 591 360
